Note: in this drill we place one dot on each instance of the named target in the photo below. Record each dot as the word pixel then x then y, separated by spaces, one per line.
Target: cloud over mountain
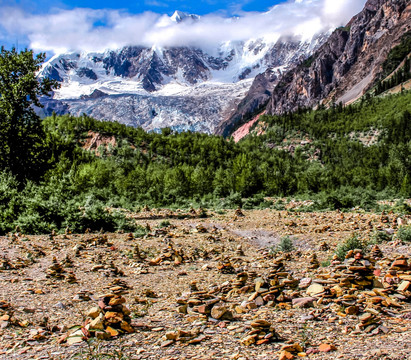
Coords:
pixel 96 30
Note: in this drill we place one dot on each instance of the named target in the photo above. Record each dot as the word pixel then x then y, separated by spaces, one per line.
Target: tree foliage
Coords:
pixel 323 154
pixel 20 127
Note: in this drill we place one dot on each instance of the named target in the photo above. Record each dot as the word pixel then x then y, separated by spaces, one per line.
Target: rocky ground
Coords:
pixel 208 288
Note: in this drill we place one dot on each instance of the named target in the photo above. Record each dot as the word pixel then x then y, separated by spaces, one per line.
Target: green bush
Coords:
pixel 404 233
pixel 10 201
pixel 285 245
pixel 325 263
pixel 402 207
pixel 257 202
pixel 279 205
pixel 346 198
pixel 163 224
pixel 140 231
pixel 232 201
pixel 351 243
pixel 379 237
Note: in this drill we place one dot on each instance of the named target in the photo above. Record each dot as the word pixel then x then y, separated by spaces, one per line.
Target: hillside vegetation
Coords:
pixel 322 154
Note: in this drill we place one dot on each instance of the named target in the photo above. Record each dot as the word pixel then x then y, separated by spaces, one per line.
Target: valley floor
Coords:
pixel 226 264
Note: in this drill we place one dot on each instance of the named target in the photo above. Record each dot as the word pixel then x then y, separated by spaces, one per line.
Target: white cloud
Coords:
pixel 96 30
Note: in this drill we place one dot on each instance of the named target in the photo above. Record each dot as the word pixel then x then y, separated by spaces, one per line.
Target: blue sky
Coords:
pixel 199 7
pixel 57 26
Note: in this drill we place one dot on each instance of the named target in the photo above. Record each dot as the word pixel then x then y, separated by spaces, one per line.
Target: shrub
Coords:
pixel 285 245
pixel 346 198
pixel 279 205
pixel 164 224
pixel 379 237
pixel 325 263
pixel 257 202
pixel 352 243
pixel 402 207
pixel 232 201
pixel 140 231
pixel 404 233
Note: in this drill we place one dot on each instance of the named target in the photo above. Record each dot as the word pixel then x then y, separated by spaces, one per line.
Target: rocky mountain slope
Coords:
pixel 341 70
pixel 184 88
pixel 349 63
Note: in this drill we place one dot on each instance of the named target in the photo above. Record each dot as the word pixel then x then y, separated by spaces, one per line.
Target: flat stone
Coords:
pixel 74 340
pixel 304 283
pixel 111 331
pixel 197 340
pixel 218 311
pixel 365 317
pixel 102 335
pixel 326 348
pixel 126 327
pixel 292 348
pixel 404 286
pixel 248 340
pixel 94 312
pixel 116 301
pixel 260 324
pixel 315 289
pixel 400 263
pixel 352 310
pixel 304 302
pixel 167 343
pixel 285 355
pixel 98 323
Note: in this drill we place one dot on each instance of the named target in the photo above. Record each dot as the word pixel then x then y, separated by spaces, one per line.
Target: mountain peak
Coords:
pixel 180 16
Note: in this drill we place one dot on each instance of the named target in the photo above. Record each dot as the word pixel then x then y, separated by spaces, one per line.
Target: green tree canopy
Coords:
pixel 20 128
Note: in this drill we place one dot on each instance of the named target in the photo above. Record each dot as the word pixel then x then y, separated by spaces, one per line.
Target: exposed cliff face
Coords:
pixel 348 63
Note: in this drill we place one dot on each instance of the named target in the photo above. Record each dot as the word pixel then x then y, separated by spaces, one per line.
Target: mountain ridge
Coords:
pixel 348 63
pixel 117 85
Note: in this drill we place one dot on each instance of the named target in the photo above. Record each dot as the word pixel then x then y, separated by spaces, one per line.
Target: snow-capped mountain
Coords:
pixel 185 88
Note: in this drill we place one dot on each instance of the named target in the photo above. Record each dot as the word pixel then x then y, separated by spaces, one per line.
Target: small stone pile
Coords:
pixel 55 270
pixel 290 351
pixel 238 213
pixel 113 270
pixel 262 332
pixel 188 337
pixel 400 264
pixel 109 319
pixel 239 251
pixel 137 253
pixel 200 228
pixel 4 305
pixel 369 321
pixel 83 295
pixel 240 281
pixel 5 263
pixel 314 263
pixel 118 287
pixel 225 266
pixel 67 261
pixel 204 304
pixel 324 246
pixel 71 278
pixel 376 253
pixel 358 272
pixel 99 240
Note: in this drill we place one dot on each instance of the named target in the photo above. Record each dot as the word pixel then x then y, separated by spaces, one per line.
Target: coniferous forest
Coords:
pixel 51 178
